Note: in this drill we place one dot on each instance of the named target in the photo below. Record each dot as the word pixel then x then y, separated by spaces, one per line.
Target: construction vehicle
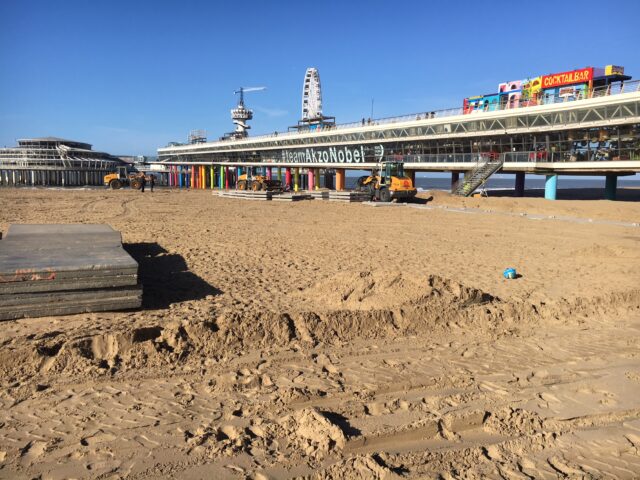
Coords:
pixel 387 183
pixel 122 178
pixel 247 181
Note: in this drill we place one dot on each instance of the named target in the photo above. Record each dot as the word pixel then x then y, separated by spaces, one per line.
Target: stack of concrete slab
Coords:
pixel 319 194
pixel 348 196
pixel 247 194
pixel 292 197
pixel 62 269
pixel 385 204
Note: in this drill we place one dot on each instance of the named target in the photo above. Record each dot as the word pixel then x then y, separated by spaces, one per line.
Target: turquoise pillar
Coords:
pixel 550 187
pixel 610 187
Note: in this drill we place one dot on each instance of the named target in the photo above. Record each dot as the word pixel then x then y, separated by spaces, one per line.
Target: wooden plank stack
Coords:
pixel 62 269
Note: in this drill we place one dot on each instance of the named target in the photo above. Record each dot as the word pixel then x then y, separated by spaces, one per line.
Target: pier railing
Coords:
pixel 605 91
pixel 526 156
pixel 71 163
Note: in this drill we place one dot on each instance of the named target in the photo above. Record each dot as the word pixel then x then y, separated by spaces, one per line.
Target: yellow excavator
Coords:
pixel 247 181
pixel 387 183
pixel 122 178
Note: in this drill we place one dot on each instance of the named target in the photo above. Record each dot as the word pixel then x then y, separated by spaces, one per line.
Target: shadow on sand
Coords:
pixel 623 194
pixel 166 277
pixel 422 201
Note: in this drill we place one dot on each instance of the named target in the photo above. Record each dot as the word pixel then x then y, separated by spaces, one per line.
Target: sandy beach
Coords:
pixel 324 340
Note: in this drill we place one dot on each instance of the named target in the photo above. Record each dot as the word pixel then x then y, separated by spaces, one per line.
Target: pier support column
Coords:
pixel 340 179
pixel 212 177
pixel 312 179
pixel 610 187
pixel 412 176
pixel 519 184
pixel 455 178
pixel 317 178
pixel 226 178
pixel 280 174
pixel 551 187
pixel 328 179
pixel 287 177
pixel 296 179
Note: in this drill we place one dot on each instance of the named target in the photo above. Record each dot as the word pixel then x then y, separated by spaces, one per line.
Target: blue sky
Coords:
pixel 130 76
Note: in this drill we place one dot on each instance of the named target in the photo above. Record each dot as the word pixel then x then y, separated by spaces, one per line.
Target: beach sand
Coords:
pixel 325 340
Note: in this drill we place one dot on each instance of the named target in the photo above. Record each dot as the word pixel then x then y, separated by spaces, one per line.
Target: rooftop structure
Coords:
pixel 52 142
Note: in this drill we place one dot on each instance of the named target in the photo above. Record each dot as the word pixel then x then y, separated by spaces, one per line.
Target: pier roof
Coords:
pixel 70 143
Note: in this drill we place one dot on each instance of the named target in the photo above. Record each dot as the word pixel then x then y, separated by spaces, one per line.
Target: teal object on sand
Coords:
pixel 509 273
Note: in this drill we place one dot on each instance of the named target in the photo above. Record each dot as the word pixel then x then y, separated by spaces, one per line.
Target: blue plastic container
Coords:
pixel 509 273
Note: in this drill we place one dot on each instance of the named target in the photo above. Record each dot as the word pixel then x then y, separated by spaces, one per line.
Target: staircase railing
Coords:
pixel 477 177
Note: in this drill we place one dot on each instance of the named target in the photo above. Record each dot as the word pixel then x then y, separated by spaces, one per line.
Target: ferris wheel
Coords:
pixel 311 95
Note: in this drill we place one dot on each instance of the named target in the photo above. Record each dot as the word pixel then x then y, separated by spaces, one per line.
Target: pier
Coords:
pixel 594 134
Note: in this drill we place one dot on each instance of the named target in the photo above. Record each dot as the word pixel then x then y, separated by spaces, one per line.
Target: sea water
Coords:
pixel 507 182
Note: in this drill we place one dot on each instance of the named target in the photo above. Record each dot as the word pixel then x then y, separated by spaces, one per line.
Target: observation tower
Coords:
pixel 241 115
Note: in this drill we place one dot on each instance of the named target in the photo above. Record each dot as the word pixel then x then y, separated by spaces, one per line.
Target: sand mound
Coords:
pixel 361 467
pixel 433 305
pixel 311 433
pixel 364 290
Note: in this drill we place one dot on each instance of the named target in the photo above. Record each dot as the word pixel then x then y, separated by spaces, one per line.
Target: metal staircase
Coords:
pixel 479 176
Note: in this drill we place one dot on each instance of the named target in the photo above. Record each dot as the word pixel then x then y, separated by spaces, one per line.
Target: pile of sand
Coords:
pixel 311 433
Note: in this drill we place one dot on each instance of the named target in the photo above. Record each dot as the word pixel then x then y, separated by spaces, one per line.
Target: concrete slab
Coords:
pixel 346 196
pixel 113 304
pixel 61 269
pixel 61 233
pixel 384 204
pixel 247 195
pixel 292 197
pixel 23 263
pixel 319 194
pixel 53 298
pixel 72 283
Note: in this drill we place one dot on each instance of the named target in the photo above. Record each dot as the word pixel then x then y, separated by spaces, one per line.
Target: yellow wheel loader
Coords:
pixel 122 178
pixel 246 181
pixel 387 183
